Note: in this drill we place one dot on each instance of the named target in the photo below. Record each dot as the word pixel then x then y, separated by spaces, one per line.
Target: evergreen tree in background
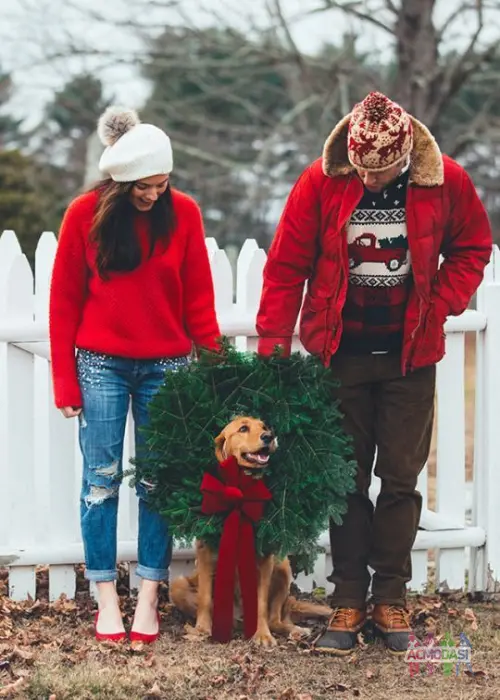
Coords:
pixel 21 204
pixel 217 95
pixel 9 127
pixel 69 121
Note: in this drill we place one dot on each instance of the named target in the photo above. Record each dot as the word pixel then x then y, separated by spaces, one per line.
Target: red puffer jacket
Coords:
pixel 444 216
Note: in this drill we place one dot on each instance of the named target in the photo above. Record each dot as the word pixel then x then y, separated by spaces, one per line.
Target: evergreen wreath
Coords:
pixel 310 475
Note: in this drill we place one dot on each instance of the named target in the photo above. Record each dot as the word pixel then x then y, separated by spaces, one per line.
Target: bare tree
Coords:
pixel 247 108
pixel 430 70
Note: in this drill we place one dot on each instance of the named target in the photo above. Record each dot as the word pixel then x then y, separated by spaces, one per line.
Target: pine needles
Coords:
pixel 309 476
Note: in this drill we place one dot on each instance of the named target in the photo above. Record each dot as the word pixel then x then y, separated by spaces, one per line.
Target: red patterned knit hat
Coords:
pixel 380 133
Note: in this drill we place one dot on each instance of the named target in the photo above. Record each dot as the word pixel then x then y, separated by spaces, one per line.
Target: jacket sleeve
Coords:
pixel 289 264
pixel 67 295
pixel 466 250
pixel 199 297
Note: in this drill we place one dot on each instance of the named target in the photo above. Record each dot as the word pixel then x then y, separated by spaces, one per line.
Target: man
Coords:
pixel 365 225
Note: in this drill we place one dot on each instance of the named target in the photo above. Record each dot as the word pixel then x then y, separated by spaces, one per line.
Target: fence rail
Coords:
pixel 40 462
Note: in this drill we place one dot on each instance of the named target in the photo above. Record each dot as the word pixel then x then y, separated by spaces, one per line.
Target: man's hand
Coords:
pixel 70 411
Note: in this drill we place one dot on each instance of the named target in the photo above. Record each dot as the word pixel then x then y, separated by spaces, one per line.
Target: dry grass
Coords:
pixel 48 652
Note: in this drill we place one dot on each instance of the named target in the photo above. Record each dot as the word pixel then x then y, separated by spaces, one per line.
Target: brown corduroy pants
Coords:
pixel 389 416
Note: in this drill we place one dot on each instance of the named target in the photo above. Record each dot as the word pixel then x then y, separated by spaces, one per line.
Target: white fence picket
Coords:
pixel 54 443
pixel 450 476
pixel 250 287
pixel 489 488
pixel 420 557
pixel 244 261
pixel 18 447
pixel 9 251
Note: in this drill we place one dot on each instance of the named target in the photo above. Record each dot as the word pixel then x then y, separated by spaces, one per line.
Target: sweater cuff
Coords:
pixel 212 343
pixel 267 346
pixel 67 394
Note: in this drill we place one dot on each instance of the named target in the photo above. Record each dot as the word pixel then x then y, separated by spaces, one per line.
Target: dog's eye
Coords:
pixel 243 429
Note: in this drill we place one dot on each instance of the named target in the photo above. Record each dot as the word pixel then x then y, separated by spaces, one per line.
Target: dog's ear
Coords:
pixel 219 445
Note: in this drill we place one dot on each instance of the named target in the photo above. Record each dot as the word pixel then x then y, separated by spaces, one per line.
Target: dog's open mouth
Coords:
pixel 259 458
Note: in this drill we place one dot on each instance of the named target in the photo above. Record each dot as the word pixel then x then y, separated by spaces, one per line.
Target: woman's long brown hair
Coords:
pixel 118 248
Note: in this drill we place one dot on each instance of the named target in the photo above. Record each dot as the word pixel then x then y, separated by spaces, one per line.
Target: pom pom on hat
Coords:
pixel 134 150
pixel 115 122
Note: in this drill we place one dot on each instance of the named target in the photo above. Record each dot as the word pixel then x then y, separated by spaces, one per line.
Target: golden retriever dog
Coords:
pixel 251 442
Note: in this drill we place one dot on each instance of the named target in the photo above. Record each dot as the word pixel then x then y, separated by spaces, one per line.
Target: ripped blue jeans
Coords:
pixel 108 384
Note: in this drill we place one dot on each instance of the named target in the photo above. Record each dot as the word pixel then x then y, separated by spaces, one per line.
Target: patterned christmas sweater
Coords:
pixel 379 271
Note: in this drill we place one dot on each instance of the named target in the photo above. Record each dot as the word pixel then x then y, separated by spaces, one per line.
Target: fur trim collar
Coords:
pixel 426 161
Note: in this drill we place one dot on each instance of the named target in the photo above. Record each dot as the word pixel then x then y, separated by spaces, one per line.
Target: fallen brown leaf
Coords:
pixel 361 641
pixel 469 615
pixel 150 661
pixel 63 606
pixel 476 674
pixel 23 654
pixel 154 691
pixel 11 688
pixel 219 680
pixel 48 620
pixel 431 624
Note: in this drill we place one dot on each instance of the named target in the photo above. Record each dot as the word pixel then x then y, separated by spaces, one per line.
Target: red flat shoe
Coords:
pixel 115 637
pixel 145 638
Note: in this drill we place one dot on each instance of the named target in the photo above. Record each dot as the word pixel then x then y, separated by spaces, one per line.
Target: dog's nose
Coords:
pixel 267 438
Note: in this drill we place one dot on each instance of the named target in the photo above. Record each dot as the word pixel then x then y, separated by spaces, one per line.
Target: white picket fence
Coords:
pixel 40 461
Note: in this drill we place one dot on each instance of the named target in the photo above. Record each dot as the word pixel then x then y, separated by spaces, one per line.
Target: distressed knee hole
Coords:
pixel 98 494
pixel 107 470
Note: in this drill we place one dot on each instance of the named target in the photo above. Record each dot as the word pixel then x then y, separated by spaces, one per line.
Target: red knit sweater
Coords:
pixel 160 309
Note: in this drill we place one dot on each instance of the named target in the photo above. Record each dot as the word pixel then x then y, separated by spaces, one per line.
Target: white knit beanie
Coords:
pixel 133 150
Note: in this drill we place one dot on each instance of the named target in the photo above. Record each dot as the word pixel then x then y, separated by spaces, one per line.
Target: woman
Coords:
pixel 132 292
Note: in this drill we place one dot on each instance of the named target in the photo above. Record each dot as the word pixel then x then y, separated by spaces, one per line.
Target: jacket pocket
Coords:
pixel 315 330
pixel 433 340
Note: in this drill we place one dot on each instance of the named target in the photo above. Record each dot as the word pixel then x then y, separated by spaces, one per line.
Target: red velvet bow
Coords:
pixel 242 497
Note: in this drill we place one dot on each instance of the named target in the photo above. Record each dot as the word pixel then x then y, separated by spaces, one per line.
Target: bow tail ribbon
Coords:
pixel 236 553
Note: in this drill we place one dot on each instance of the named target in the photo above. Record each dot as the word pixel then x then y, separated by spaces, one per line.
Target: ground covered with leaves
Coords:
pixel 47 652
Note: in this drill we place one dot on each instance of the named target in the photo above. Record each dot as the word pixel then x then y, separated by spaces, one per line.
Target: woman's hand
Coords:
pixel 70 411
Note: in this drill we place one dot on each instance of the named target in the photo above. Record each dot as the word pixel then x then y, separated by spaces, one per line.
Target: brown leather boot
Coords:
pixel 341 635
pixel 394 623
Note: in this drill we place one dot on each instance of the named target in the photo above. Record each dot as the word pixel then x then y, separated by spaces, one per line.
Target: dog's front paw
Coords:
pixel 192 634
pixel 264 638
pixel 204 627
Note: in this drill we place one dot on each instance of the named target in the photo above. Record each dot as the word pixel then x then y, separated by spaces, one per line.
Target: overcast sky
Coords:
pixel 32 30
